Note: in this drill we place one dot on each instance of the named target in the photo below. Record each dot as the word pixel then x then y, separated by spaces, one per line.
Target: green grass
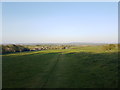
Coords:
pixel 78 67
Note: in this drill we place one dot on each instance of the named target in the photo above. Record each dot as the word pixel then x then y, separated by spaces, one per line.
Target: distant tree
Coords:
pixel 109 47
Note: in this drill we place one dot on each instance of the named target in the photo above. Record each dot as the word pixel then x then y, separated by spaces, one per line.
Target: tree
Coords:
pixel 109 47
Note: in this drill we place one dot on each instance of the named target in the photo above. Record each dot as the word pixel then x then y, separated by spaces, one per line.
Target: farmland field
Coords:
pixel 77 67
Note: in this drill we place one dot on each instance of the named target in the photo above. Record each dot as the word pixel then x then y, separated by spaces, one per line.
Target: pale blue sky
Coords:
pixel 0 23
pixel 60 22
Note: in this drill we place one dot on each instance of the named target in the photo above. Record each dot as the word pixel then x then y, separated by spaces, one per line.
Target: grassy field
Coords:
pixel 78 67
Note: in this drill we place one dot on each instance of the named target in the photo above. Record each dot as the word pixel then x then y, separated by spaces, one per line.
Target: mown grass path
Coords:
pixel 84 70
pixel 51 71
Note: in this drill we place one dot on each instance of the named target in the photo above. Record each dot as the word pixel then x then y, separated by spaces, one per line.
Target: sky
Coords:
pixel 59 22
pixel 0 23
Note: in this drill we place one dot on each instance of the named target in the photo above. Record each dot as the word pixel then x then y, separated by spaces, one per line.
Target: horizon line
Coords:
pixel 64 43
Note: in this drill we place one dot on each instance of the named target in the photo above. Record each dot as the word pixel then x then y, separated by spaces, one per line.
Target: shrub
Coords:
pixel 109 47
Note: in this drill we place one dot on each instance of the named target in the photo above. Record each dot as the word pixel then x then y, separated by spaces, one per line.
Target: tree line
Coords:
pixel 4 49
pixel 22 48
pixel 13 48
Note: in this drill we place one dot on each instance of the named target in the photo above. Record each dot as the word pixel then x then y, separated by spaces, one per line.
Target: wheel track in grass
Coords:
pixel 58 58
